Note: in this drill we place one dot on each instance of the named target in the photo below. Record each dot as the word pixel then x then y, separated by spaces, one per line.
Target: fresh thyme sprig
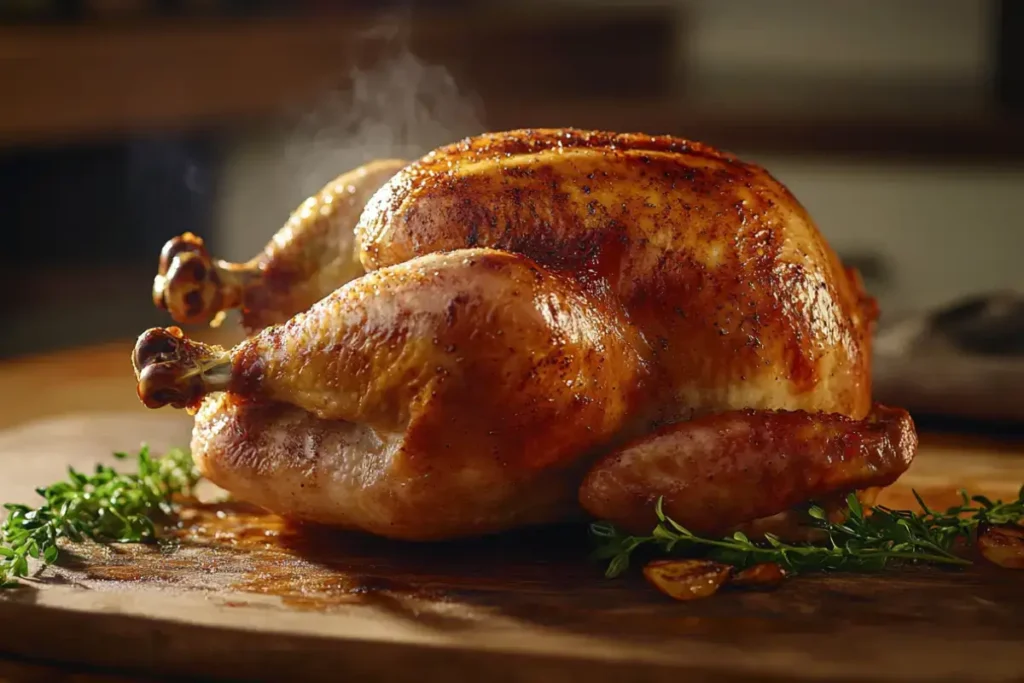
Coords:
pixel 863 542
pixel 106 506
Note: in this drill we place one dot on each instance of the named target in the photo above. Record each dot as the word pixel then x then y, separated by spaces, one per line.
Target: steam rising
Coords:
pixel 398 106
pixel 393 105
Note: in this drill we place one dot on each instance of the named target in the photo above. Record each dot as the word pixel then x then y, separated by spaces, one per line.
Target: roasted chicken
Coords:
pixel 551 323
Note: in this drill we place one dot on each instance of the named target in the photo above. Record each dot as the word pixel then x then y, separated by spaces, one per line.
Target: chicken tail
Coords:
pixel 174 370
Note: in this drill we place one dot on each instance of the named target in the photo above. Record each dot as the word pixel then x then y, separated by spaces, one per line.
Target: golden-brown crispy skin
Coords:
pixel 741 301
pixel 506 349
pixel 535 300
pixel 350 476
pixel 454 394
pixel 719 471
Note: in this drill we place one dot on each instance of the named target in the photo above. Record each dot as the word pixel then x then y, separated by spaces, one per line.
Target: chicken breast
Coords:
pixel 742 302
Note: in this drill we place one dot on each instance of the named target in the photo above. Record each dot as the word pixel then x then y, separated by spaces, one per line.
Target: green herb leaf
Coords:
pixel 106 506
pixel 50 556
pixel 868 540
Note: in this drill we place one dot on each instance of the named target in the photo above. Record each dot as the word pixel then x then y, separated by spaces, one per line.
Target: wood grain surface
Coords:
pixel 244 595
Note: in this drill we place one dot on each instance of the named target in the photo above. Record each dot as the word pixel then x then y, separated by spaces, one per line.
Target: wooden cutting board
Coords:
pixel 245 596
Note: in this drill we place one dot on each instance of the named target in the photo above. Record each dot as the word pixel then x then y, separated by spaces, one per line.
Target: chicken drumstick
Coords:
pixel 311 256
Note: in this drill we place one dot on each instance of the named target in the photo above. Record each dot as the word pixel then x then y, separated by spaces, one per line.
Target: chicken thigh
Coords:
pixel 454 394
pixel 553 322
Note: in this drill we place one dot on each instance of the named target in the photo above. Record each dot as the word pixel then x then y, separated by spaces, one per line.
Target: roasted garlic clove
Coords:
pixel 763 575
pixel 687 579
pixel 1003 545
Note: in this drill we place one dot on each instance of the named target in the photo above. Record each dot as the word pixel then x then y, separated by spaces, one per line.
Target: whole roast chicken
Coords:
pixel 530 327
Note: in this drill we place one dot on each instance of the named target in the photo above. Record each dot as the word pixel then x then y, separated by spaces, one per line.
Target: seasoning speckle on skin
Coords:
pixel 730 244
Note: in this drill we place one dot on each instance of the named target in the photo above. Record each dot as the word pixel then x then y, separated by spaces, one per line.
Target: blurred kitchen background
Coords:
pixel 125 122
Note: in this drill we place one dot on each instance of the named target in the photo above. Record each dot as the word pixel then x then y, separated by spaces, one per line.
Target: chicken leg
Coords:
pixel 454 394
pixel 311 256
